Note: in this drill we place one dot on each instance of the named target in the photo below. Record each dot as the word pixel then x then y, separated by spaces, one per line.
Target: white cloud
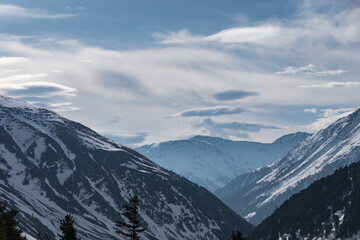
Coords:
pixel 63 109
pixel 181 37
pixel 10 11
pixel 41 88
pixel 75 8
pixel 21 77
pixel 311 110
pixel 139 87
pixel 60 104
pixel 256 34
pixel 45 94
pixel 11 60
pixel 233 35
pixel 131 139
pixel 310 70
pixel 332 85
pixel 308 29
pixel 328 116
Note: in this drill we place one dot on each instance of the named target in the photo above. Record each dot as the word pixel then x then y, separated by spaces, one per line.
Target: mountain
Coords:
pixel 212 162
pixel 328 209
pixel 51 166
pixel 256 194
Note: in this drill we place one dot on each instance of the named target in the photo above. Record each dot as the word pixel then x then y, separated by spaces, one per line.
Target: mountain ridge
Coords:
pixel 51 166
pixel 212 161
pixel 256 194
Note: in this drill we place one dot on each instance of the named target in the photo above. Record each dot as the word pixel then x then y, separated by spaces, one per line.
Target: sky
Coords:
pixel 144 71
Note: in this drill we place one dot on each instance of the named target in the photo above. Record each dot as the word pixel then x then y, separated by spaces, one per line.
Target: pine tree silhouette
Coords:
pixel 2 233
pixel 131 227
pixel 8 225
pixel 40 236
pixel 236 236
pixel 67 229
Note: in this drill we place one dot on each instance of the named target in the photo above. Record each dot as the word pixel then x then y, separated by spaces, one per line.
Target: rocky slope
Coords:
pixel 256 194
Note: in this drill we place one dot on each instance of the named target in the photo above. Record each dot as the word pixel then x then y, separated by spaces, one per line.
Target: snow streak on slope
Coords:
pixel 212 162
pixel 256 194
pixel 50 166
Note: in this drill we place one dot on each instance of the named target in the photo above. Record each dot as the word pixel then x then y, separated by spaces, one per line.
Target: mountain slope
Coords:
pixel 256 194
pixel 212 162
pixel 328 209
pixel 50 166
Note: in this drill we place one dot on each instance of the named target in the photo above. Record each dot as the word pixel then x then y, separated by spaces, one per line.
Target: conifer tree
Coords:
pixel 67 229
pixel 41 236
pixel 8 225
pixel 236 236
pixel 131 227
pixel 2 233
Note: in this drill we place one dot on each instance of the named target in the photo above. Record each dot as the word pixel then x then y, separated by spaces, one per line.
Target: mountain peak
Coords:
pixel 204 137
pixel 212 161
pixel 292 137
pixel 355 116
pixel 15 103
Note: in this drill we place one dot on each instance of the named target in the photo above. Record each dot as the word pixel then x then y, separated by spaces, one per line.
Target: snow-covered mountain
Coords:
pixel 212 162
pixel 51 166
pixel 256 194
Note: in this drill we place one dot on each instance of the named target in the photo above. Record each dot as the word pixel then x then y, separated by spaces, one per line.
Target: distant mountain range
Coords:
pixel 328 209
pixel 258 193
pixel 212 162
pixel 51 166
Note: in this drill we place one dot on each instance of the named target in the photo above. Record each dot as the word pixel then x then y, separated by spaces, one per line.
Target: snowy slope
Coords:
pixel 212 162
pixel 256 194
pixel 50 166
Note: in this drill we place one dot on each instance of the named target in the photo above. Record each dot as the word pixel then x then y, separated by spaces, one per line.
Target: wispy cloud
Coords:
pixel 311 110
pixel 234 35
pixel 310 27
pixel 37 89
pixel 10 11
pixel 210 111
pixel 4 61
pixel 328 116
pixel 21 77
pixel 230 95
pixel 60 107
pixel 44 94
pixel 248 127
pixel 141 86
pixel 331 85
pixel 245 34
pixel 236 129
pixel 310 70
pixel 181 37
pixel 75 8
pixel 165 84
pixel 129 139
